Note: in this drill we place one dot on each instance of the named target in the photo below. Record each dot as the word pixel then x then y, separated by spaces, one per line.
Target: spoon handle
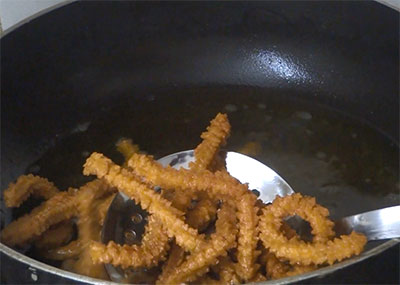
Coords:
pixel 379 224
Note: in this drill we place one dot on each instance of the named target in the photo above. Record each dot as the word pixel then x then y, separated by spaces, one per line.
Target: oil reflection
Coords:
pixel 272 62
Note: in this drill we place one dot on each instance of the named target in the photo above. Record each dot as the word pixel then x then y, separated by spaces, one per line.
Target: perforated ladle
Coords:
pixel 125 220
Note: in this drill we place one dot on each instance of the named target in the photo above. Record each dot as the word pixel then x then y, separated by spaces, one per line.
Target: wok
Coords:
pixel 315 83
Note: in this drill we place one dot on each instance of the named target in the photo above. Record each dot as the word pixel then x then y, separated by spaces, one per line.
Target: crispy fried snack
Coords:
pixel 204 212
pixel 84 265
pixel 103 208
pixel 199 262
pixel 306 208
pixel 89 228
pixel 226 269
pixel 198 218
pixel 215 137
pixel 277 269
pixel 26 185
pixel 321 250
pixel 57 209
pixel 248 237
pixel 216 184
pixel 148 254
pixel 126 147
pixel 186 205
pixel 122 179
pixel 87 205
pixel 56 235
pixel 259 277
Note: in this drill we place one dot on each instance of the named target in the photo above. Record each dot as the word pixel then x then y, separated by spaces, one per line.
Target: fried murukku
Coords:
pixel 214 184
pixel 85 266
pixel 86 204
pixel 306 208
pixel 296 251
pixel 56 236
pixel 215 137
pixel 199 262
pixel 277 269
pixel 228 253
pixel 26 185
pixel 203 212
pixel 102 208
pixel 226 270
pixel 89 228
pixel 60 207
pixel 126 147
pixel 248 237
pixel 198 218
pixel 149 253
pixel 122 179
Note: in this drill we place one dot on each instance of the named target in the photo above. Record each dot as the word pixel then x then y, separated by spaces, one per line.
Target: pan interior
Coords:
pixel 346 164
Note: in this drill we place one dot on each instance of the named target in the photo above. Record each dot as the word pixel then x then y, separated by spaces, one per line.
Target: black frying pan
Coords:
pixel 311 81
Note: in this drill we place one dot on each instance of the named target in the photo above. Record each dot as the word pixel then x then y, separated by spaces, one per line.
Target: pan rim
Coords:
pixel 30 262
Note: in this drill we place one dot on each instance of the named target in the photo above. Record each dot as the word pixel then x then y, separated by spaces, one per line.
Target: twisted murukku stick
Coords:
pixel 297 251
pixel 199 262
pixel 60 207
pixel 248 237
pixel 217 185
pixel 277 269
pixel 89 228
pixel 204 212
pixel 198 218
pixel 214 184
pixel 122 179
pixel 226 270
pixel 26 185
pixel 306 208
pixel 148 254
pixel 126 148
pixel 215 137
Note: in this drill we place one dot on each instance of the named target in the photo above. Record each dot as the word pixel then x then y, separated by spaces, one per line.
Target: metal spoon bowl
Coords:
pixel 125 220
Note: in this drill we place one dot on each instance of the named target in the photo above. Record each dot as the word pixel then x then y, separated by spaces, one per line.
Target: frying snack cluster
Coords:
pixel 204 226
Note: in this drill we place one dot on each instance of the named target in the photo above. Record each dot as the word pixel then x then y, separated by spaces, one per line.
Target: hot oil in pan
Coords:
pixel 348 166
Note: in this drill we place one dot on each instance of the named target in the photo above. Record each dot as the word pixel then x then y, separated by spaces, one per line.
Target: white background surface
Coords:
pixel 15 11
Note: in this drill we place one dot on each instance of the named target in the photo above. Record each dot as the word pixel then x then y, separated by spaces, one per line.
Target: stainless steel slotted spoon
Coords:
pixel 125 220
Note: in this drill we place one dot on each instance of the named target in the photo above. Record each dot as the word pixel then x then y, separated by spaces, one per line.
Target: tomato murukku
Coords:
pixel 60 207
pixel 226 270
pixel 56 236
pixel 214 184
pixel 126 147
pixel 248 237
pixel 189 202
pixel 149 253
pixel 26 185
pixel 321 250
pixel 276 268
pixel 89 228
pixel 122 179
pixel 213 138
pixel 199 262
